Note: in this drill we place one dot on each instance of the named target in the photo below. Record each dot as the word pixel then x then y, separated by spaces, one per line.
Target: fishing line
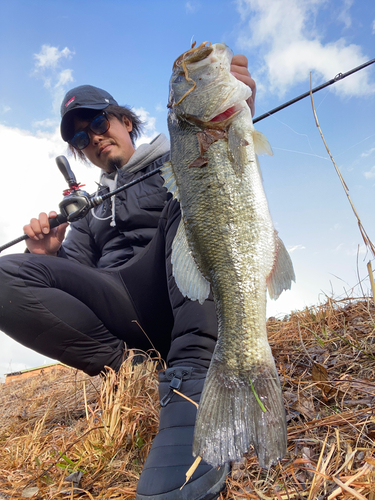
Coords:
pixel 301 153
pixel 295 132
pixel 324 98
pixel 354 145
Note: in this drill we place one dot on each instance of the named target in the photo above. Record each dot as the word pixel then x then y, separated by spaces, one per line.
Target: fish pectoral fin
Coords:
pixel 237 149
pixel 282 274
pixel 208 136
pixel 188 278
pixel 169 180
pixel 261 144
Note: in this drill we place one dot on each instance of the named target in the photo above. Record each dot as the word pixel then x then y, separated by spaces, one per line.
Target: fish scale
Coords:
pixel 226 242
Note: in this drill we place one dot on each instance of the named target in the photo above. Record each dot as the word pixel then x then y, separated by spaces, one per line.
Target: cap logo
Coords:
pixel 107 100
pixel 70 101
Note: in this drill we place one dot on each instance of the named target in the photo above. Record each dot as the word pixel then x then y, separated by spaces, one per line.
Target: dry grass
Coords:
pixel 53 425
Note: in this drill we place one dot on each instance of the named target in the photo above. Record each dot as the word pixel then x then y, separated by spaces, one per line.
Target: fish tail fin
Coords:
pixel 238 411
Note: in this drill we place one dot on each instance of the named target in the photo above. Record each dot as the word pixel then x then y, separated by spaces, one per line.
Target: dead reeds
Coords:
pixel 98 432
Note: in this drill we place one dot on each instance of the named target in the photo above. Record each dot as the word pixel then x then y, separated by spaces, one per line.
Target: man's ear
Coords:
pixel 128 124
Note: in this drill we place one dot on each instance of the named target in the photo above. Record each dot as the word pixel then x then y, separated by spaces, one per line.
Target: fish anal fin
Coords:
pixel 189 279
pixel 282 274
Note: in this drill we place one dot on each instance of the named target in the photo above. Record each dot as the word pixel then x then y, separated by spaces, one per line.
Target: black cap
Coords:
pixel 84 96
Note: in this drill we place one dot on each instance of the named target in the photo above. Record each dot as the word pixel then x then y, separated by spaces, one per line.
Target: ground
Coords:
pixel 56 424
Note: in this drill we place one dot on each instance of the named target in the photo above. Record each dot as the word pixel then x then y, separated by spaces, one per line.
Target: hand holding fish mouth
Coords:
pixel 239 69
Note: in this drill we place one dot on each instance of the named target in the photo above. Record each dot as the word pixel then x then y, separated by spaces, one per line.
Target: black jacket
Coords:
pixel 97 243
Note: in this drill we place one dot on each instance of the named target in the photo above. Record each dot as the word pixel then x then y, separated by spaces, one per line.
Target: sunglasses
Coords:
pixel 99 125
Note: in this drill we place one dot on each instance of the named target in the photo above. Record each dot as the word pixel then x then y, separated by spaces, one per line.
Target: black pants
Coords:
pixel 84 316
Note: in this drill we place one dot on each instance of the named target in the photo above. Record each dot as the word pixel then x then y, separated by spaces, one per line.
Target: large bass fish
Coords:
pixel 226 241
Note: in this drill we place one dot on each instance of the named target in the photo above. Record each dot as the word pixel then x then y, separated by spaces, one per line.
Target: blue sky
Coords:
pixel 128 48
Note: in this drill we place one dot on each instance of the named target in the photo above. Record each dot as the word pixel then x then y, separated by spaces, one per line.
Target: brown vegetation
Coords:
pixel 61 423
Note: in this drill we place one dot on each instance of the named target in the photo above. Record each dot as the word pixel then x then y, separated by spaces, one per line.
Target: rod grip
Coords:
pixel 53 222
pixel 56 221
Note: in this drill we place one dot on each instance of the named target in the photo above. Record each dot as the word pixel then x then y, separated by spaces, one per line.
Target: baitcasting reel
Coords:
pixel 76 203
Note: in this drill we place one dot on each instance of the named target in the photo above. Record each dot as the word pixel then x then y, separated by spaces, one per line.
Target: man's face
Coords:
pixel 112 149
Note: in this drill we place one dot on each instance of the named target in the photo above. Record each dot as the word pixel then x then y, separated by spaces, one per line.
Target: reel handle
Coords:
pixel 67 172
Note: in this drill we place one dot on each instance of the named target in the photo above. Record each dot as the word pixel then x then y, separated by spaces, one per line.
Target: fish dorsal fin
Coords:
pixel 188 278
pixel 282 274
pixel 261 144
pixel 169 180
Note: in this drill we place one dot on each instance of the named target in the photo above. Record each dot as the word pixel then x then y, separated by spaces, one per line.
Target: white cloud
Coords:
pixel 373 27
pixel 191 7
pixel 351 250
pixel 149 126
pixel 37 187
pixel 15 357
pixel 339 247
pixel 286 36
pixel 343 13
pixel 55 78
pixel 357 250
pixel 47 123
pixel 370 174
pixel 49 57
pixel 296 247
pixel 65 77
pixel 4 108
pixel 47 82
pixel 368 152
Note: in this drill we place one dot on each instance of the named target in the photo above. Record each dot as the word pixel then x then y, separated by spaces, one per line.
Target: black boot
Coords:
pixel 171 452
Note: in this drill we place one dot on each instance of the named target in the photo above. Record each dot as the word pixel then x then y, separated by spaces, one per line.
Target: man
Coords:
pixel 81 299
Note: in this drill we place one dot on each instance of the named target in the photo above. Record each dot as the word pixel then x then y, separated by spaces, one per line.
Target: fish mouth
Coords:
pixel 224 119
pixel 195 54
pixel 220 121
pixel 228 113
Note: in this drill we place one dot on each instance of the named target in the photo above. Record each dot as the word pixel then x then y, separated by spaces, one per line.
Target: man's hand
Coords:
pixel 41 239
pixel 239 69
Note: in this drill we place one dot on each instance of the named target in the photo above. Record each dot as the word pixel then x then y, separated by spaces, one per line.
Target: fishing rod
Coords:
pixel 77 203
pixel 338 77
